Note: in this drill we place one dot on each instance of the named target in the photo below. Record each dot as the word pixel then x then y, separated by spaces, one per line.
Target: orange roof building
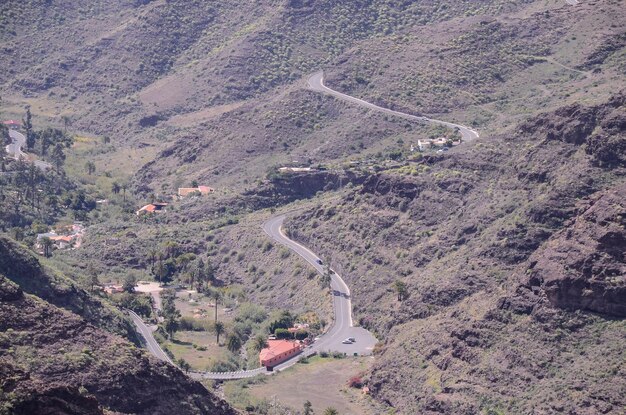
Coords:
pixel 277 351
pixel 151 208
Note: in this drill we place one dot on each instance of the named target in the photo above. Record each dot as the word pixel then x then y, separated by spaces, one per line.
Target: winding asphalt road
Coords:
pixel 18 140
pixel 341 329
pixel 149 341
pixel 316 83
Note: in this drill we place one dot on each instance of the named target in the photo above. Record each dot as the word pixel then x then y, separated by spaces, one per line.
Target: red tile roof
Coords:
pixel 278 347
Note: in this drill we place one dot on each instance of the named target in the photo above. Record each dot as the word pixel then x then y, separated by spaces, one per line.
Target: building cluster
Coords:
pixel 161 207
pixel 156 207
pixel 71 238
pixel 426 144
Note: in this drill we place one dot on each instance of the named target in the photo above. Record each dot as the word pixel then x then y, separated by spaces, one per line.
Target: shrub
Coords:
pixel 355 382
pixel 301 334
pixel 192 324
pixel 282 334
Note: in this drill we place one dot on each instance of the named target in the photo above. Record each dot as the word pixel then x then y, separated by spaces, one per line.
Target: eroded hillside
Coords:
pixel 180 78
pixel 504 248
pixel 54 361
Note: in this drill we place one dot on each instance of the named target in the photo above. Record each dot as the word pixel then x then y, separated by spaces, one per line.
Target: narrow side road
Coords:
pixel 316 83
pixel 341 329
pixel 151 344
pixel 18 140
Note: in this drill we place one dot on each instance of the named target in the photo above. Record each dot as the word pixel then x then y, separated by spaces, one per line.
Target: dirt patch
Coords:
pixel 324 382
pixel 191 118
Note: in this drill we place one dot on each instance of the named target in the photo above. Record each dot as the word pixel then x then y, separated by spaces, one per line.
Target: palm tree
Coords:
pixel 234 343
pixel 152 256
pixel 216 297
pixel 219 329
pixel 124 187
pixel 330 411
pixel 161 270
pixel 259 343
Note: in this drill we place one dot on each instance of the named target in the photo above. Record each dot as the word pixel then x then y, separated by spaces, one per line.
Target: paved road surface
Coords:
pixel 343 326
pixel 341 329
pixel 149 341
pixel 18 140
pixel 316 83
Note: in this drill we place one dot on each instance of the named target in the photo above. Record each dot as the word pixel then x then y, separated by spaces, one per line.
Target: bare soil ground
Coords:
pixel 323 382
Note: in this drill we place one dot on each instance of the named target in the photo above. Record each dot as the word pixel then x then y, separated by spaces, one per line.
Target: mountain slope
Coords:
pixel 54 361
pixel 21 267
pixel 512 254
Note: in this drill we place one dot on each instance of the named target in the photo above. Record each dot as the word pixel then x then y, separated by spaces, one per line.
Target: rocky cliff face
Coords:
pixel 505 246
pixel 52 361
pixel 25 270
pixel 601 129
pixel 285 188
pixel 583 266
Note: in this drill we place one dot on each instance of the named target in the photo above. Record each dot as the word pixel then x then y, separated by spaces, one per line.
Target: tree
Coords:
pixel 58 156
pixel 169 311
pixel 219 329
pixel 28 127
pixel 284 321
pixel 401 289
pixel 308 408
pixel 129 284
pixel 194 183
pixel 45 142
pixel 184 365
pixel 92 273
pixel 330 411
pixel 152 256
pixel 115 187
pixel 106 139
pixel 259 343
pixel 326 277
pixel 234 343
pixel 160 270
pixel 124 187
pixel 90 166
pixel 46 244
pixel 204 272
pixel 216 297
pixel 171 323
pixel 66 121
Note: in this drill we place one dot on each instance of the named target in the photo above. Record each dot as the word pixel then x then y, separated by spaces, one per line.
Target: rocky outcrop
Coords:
pixel 505 248
pixel 284 188
pixel 54 362
pixel 21 267
pixel 583 266
pixel 601 128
